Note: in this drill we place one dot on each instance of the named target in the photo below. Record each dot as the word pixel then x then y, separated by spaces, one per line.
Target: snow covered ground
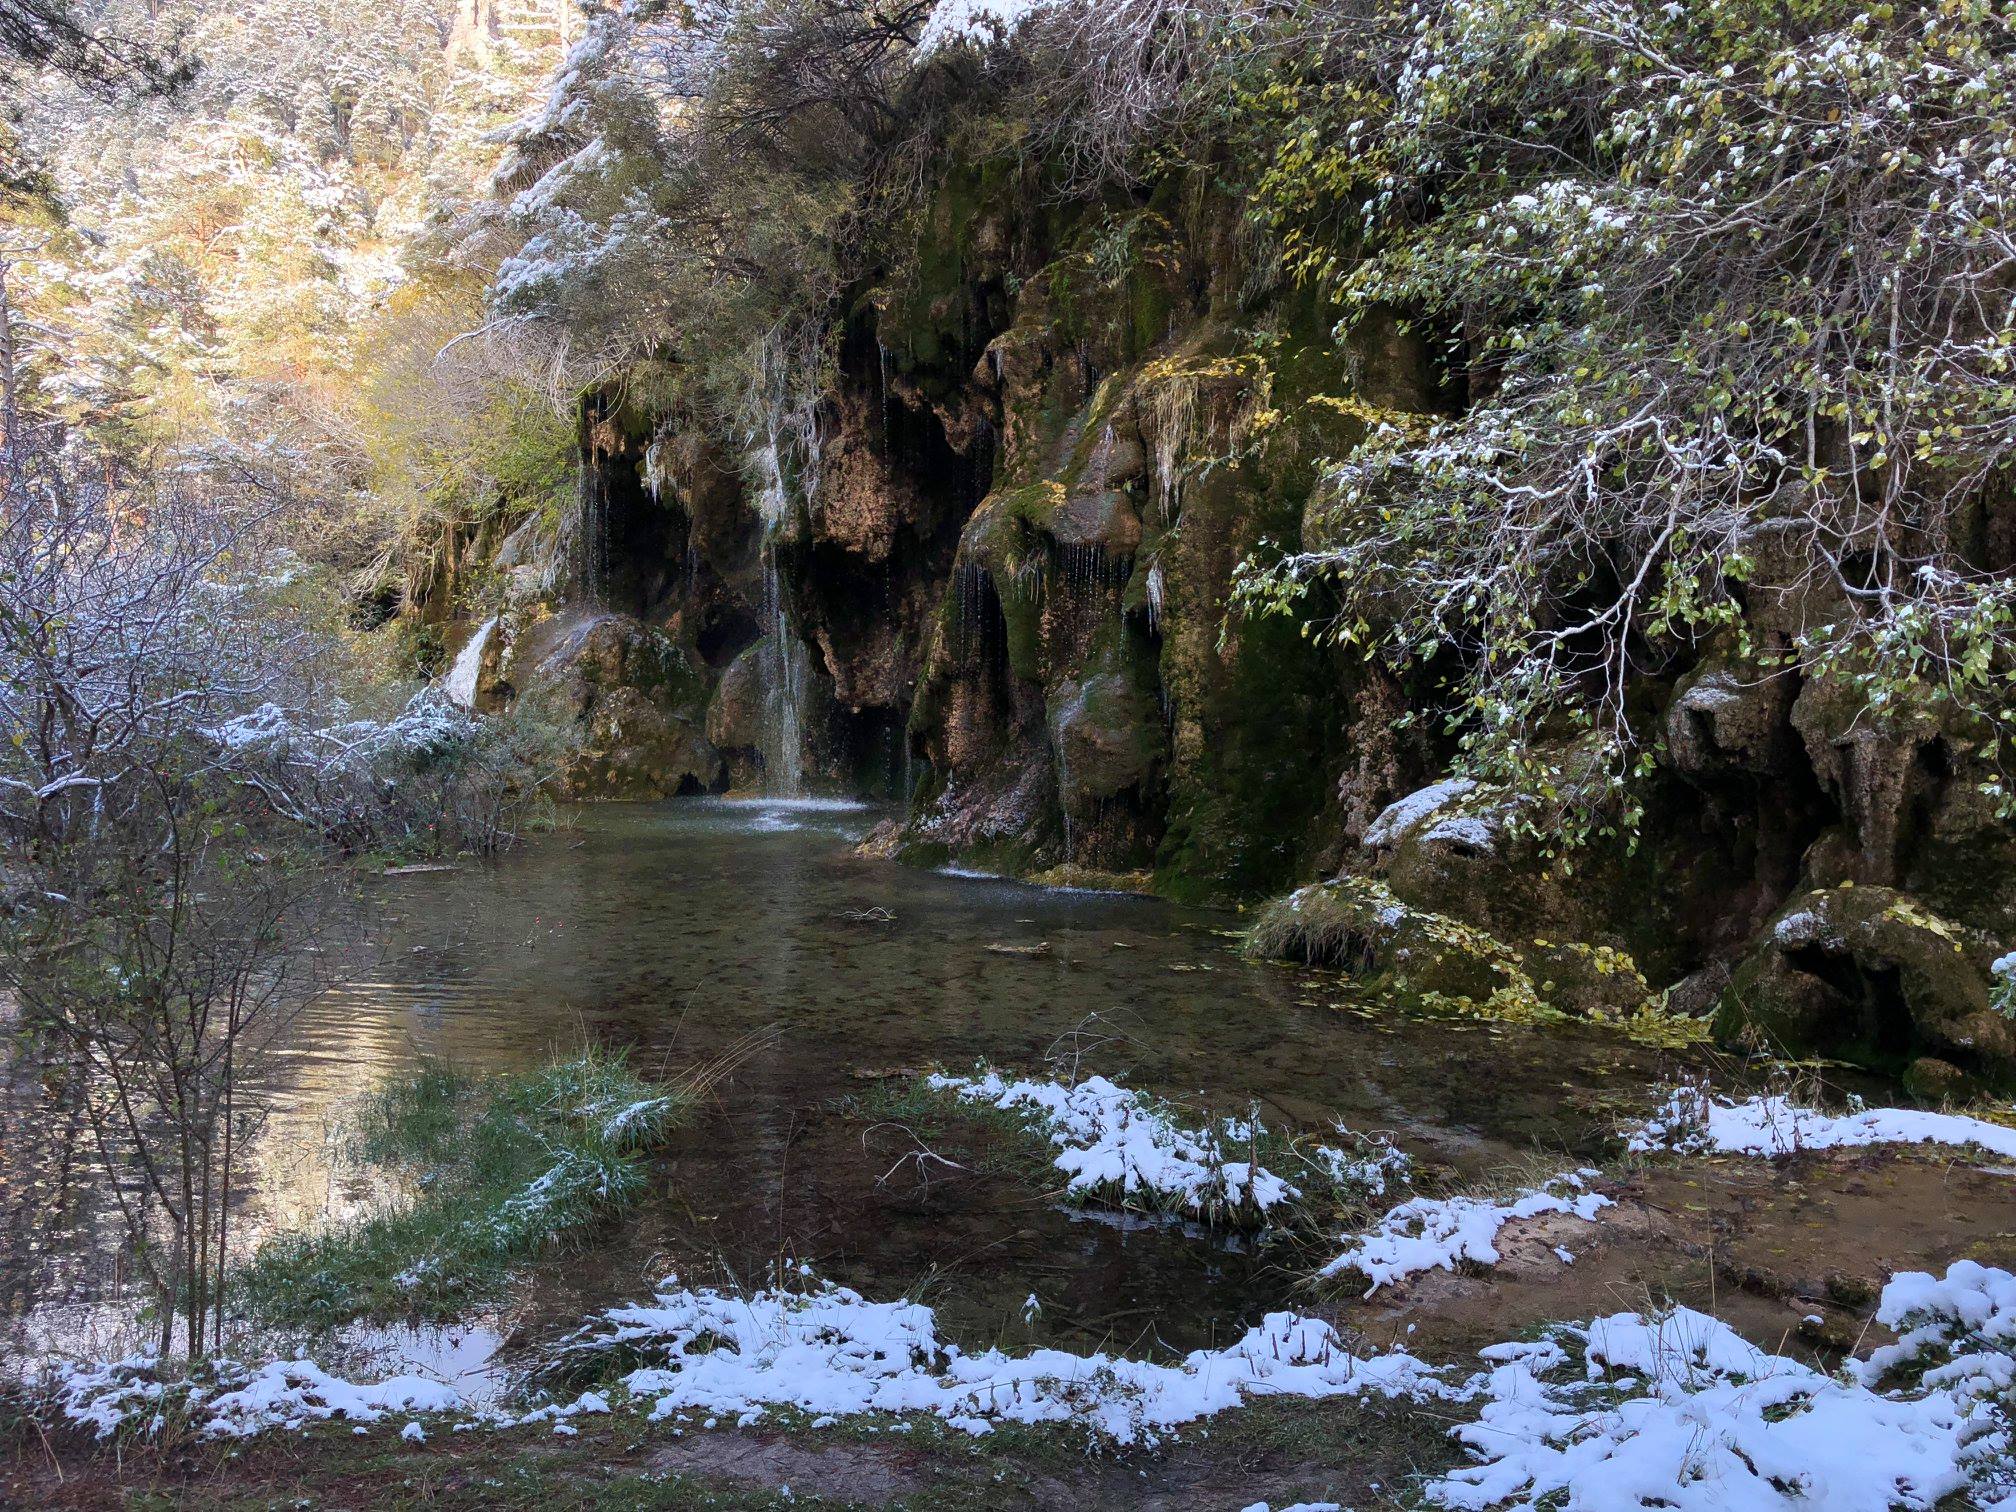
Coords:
pixel 1668 1410
pixel 1676 1411
pixel 1438 1233
pixel 828 1351
pixel 1113 1143
pixel 233 1400
pixel 1693 1121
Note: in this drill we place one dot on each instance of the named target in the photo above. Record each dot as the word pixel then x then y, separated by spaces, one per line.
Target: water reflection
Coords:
pixel 676 929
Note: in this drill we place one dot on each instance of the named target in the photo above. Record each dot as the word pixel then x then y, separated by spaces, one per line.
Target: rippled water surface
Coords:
pixel 677 929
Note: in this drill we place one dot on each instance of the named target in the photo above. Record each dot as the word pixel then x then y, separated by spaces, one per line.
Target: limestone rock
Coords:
pixel 633 699
pixel 1869 974
pixel 1726 716
pixel 1107 734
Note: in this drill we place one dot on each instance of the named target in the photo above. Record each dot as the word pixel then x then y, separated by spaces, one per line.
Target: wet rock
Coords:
pixel 633 699
pixel 1869 974
pixel 1108 738
pixel 1936 1081
pixel 735 714
pixel 1359 926
pixel 882 842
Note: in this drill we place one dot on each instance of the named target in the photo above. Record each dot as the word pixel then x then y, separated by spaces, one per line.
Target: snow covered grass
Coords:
pixel 224 1399
pixel 493 1170
pixel 1441 1233
pixel 1670 1410
pixel 1694 1121
pixel 827 1351
pixel 1119 1148
pixel 1678 1412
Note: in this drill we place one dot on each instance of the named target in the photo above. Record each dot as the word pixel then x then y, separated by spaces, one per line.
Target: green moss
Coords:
pixel 1440 964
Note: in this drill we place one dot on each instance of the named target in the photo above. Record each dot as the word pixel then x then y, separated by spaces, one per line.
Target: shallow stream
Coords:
pixel 677 929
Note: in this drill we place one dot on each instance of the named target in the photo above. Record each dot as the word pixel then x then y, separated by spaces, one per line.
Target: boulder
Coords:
pixel 1107 734
pixel 634 700
pixel 1870 975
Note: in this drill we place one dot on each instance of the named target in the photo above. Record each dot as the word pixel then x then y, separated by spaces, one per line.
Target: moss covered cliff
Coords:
pixel 1205 498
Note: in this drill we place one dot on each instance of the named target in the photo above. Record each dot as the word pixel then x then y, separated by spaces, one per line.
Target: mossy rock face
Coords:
pixel 1684 890
pixel 1585 981
pixel 1460 850
pixel 1871 975
pixel 735 714
pixel 1358 925
pixel 635 700
pixel 1108 737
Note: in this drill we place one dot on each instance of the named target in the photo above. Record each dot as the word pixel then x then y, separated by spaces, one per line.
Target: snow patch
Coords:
pixel 234 1401
pixel 1678 1412
pixel 1693 1122
pixel 1430 1233
pixel 974 21
pixel 1112 1140
pixel 830 1352
pixel 1397 819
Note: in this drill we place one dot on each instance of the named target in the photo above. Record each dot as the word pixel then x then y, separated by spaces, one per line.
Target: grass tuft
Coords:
pixel 494 1170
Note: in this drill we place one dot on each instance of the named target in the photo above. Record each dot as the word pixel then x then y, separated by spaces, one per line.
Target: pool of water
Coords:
pixel 676 930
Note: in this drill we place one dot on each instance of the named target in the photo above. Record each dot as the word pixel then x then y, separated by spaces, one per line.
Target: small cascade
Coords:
pixel 591 533
pixel 781 413
pixel 460 684
pixel 1083 584
pixel 883 352
pixel 1064 799
pixel 976 612
pixel 785 669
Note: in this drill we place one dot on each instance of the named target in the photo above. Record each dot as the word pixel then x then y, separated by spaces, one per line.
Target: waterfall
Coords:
pixel 591 532
pixel 781 414
pixel 785 666
pixel 460 683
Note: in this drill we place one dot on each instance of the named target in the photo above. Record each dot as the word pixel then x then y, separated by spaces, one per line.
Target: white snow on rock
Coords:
pixel 831 1352
pixel 1397 819
pixel 1464 829
pixel 1678 1412
pixel 1111 1140
pixel 1436 1233
pixel 1694 1121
